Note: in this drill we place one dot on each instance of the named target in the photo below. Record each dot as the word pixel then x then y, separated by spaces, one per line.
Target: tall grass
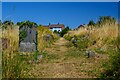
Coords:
pixel 13 36
pixel 42 31
pixel 104 35
pixel 106 41
pixel 0 52
pixel 12 64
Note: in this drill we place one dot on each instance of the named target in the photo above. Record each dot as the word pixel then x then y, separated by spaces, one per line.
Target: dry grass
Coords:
pixel 80 31
pixel 42 31
pixel 13 36
pixel 13 65
pixel 104 35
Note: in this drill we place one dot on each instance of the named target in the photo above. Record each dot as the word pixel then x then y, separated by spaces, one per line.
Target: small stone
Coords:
pixel 90 54
pixel 39 57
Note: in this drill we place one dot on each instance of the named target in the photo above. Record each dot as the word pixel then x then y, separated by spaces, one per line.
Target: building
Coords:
pixel 80 26
pixel 58 27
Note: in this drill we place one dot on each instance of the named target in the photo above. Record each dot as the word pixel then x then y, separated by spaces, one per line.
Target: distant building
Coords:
pixel 58 27
pixel 80 26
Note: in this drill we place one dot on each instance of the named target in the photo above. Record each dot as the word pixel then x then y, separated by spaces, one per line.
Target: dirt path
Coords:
pixel 58 47
pixel 63 67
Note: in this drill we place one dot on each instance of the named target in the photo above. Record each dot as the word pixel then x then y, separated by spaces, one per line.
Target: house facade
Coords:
pixel 58 27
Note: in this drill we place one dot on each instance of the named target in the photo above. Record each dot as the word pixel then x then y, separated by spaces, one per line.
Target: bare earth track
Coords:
pixel 63 67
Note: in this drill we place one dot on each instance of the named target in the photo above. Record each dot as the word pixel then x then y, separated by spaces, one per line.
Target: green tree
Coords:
pixel 91 23
pixel 27 24
pixel 64 31
pixel 22 35
pixel 106 20
pixel 57 32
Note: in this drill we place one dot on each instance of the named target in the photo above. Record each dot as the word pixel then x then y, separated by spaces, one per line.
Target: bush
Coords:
pixel 112 70
pixel 64 31
pixel 68 37
pixel 82 43
pixel 22 35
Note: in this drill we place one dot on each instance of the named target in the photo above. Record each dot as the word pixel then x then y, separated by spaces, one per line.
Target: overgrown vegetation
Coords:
pixel 45 37
pixel 12 64
pixel 22 35
pixel 63 32
pixel 101 37
pixel 112 68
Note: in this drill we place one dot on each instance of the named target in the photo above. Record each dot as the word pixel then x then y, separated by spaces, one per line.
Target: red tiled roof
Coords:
pixel 57 26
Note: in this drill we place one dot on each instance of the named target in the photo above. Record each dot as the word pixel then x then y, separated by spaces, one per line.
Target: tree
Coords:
pixel 106 20
pixel 91 23
pixel 57 32
pixel 27 24
pixel 64 31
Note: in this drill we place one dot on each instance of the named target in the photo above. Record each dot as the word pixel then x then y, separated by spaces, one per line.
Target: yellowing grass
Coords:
pixel 104 33
pixel 41 32
pixel 13 36
pixel 80 31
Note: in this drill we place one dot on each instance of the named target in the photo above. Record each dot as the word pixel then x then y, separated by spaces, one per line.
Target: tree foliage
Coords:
pixel 22 35
pixel 27 24
pixel 64 31
pixel 105 20
pixel 91 23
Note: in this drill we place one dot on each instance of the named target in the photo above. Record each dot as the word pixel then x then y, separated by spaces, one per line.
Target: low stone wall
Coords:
pixel 27 47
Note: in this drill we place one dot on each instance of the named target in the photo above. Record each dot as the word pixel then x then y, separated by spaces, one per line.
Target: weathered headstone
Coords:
pixel 27 47
pixel 28 44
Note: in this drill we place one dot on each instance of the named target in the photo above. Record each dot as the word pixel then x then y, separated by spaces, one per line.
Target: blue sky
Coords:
pixel 71 14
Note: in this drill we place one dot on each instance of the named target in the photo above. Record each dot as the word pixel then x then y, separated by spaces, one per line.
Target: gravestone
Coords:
pixel 27 47
pixel 28 44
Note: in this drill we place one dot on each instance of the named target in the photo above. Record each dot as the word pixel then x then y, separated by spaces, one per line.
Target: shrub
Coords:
pixel 22 35
pixel 112 70
pixel 64 31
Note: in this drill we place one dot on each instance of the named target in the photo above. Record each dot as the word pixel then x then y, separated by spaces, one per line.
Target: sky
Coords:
pixel 60 0
pixel 70 14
